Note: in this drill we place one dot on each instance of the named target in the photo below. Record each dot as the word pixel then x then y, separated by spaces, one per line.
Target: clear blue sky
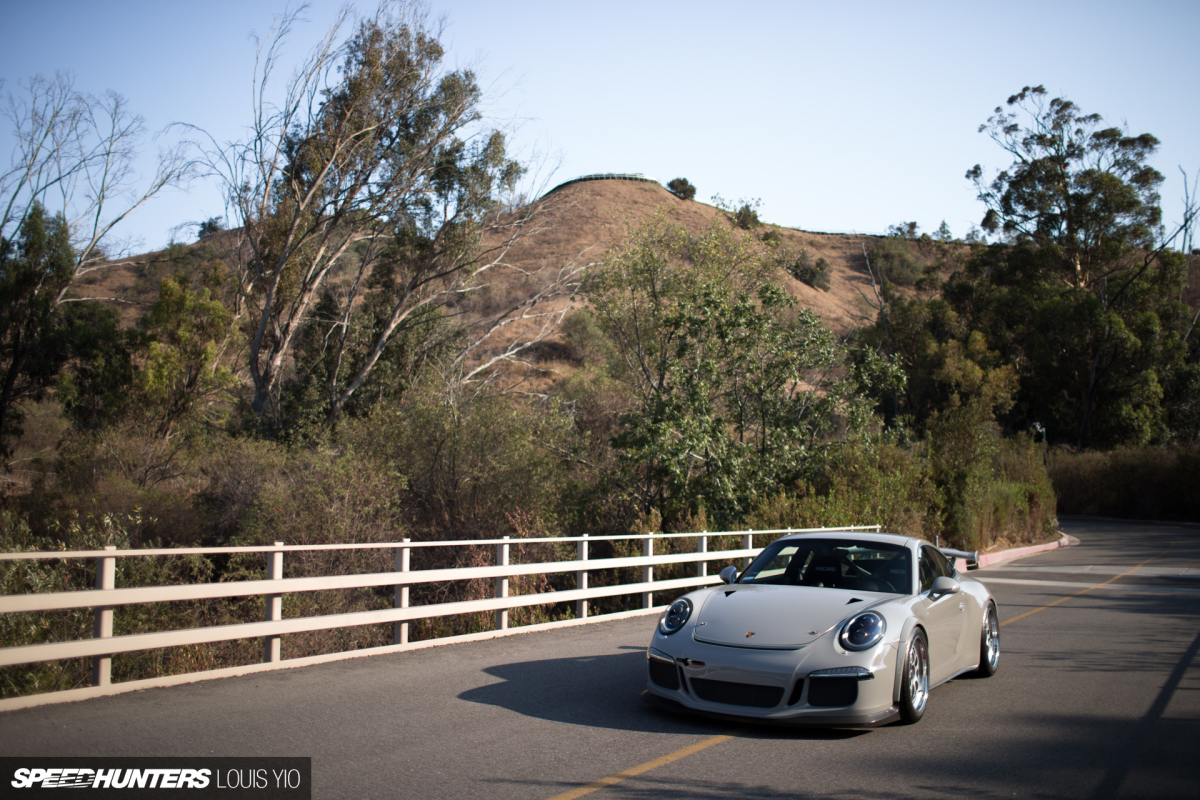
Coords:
pixel 837 116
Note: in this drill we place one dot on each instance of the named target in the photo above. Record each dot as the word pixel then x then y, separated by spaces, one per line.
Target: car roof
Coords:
pixel 857 536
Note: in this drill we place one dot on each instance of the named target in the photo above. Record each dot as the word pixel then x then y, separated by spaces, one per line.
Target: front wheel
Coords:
pixel 989 644
pixel 914 686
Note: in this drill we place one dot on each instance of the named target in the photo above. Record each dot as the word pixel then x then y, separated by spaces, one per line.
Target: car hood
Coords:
pixel 767 616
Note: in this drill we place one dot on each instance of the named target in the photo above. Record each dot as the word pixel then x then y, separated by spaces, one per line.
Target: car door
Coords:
pixel 944 616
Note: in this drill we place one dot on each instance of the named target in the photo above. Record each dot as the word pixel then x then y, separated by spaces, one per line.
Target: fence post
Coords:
pixel 747 543
pixel 106 578
pixel 702 567
pixel 400 629
pixel 502 585
pixel 648 571
pixel 274 611
pixel 581 578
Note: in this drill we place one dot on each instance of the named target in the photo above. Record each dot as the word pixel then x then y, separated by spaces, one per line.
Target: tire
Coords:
pixel 989 643
pixel 914 686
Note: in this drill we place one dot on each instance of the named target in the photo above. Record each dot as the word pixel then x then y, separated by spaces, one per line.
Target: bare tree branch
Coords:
pixel 74 155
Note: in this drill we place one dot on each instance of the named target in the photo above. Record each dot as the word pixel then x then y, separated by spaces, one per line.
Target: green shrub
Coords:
pixel 883 484
pixel 1133 483
pixel 681 188
pixel 468 463
pixel 1020 505
pixel 897 261
pixel 962 443
pixel 586 340
pixel 815 275
pixel 998 492
pixel 746 217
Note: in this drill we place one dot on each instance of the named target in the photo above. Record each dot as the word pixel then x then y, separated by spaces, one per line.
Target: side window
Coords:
pixel 929 568
pixel 945 566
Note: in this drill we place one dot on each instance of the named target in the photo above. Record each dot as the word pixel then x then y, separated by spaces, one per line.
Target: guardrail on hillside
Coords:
pixel 103 645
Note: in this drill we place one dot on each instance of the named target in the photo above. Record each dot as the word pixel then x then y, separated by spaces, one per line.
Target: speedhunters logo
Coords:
pixel 260 778
pixel 84 778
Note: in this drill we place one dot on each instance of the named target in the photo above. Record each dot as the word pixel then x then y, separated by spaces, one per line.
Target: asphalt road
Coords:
pixel 1098 695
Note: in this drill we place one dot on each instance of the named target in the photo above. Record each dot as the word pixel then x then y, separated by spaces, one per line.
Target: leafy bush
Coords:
pixel 209 227
pixel 122 467
pixel 862 484
pixel 963 441
pixel 746 217
pixel 681 188
pixel 1020 506
pixel 903 230
pixel 712 350
pixel 1004 498
pixel 585 338
pixel 815 275
pixel 1132 482
pixel 329 496
pixel 896 260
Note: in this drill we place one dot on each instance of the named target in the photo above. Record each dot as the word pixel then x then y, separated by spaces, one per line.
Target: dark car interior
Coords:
pixel 859 567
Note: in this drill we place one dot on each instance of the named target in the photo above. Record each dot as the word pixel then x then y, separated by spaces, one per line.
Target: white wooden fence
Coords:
pixel 103 645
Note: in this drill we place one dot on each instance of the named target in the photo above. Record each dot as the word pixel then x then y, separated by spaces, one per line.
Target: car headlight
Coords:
pixel 862 632
pixel 675 617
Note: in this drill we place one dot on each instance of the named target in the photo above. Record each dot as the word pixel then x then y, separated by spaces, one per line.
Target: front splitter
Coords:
pixel 878 719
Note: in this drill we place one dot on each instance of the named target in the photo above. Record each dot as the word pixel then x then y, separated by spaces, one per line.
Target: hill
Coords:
pixel 580 222
pixel 584 220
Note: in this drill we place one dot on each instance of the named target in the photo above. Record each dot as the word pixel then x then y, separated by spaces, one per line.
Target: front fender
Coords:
pixel 906 634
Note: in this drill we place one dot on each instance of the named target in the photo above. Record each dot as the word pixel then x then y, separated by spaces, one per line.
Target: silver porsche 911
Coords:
pixel 844 629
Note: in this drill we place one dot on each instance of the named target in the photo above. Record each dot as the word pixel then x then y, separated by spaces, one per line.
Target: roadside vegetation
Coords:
pixel 333 366
pixel 1152 483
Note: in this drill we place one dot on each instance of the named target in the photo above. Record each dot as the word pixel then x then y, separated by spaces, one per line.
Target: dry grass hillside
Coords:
pixel 579 223
pixel 583 220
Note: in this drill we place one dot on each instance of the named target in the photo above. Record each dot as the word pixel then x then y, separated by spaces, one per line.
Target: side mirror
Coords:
pixel 943 585
pixel 729 574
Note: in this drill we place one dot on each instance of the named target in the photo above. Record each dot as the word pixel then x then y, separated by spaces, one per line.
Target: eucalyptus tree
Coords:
pixel 1078 187
pixel 1079 207
pixel 367 202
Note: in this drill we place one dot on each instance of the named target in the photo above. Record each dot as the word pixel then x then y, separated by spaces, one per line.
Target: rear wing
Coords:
pixel 971 558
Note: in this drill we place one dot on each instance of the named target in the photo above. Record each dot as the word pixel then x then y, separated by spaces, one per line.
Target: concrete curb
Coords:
pixel 990 559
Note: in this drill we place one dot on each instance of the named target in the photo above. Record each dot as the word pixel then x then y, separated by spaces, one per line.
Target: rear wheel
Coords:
pixel 989 643
pixel 914 686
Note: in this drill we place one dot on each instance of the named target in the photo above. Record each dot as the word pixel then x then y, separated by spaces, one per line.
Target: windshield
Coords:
pixel 834 563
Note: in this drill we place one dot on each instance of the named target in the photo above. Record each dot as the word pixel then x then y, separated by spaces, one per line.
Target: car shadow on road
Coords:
pixel 605 691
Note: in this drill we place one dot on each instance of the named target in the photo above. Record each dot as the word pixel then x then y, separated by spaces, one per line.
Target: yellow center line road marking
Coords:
pixel 639 769
pixel 1090 588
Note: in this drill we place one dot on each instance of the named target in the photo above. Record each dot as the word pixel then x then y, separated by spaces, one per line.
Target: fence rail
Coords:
pixel 106 596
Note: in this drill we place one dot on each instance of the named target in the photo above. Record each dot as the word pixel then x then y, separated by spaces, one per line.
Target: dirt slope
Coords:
pixel 585 219
pixel 581 221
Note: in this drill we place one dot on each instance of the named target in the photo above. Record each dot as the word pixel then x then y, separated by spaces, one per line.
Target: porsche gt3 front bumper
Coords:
pixel 818 684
